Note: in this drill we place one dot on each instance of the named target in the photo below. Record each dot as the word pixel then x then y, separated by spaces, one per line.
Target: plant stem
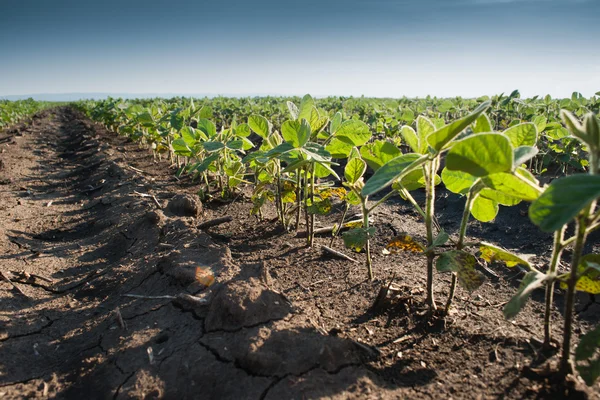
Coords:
pixel 429 210
pixel 312 202
pixel 306 217
pixel 471 196
pixel 365 212
pixel 298 200
pixel 565 362
pixel 336 233
pixel 557 249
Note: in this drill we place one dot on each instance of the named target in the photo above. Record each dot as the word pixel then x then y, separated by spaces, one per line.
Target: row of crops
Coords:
pixel 13 111
pixel 300 153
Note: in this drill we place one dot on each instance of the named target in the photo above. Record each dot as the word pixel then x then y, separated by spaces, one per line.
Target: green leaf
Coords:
pixel 483 209
pixel 356 239
pixel 213 146
pixel 463 264
pixel 511 185
pixel 306 108
pixel 540 123
pixel 531 281
pixel 522 134
pixel 353 132
pixel 293 110
pixel 243 130
pixel 354 170
pixel 458 182
pixel 410 137
pixel 259 125
pixel 440 239
pixel 378 153
pixel 481 154
pixel 524 154
pixel 336 122
pixel 424 128
pixel 586 356
pixel 563 200
pixel 207 127
pixel 482 124
pixel 296 133
pixel 181 148
pixel 445 135
pixel 391 171
pixel 205 112
pixel 498 197
pixel 492 254
pixel 189 135
pixel 339 148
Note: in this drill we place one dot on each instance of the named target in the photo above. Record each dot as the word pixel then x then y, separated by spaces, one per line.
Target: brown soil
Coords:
pixel 281 320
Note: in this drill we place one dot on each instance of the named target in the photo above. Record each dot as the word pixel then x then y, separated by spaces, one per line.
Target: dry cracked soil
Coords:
pixel 110 289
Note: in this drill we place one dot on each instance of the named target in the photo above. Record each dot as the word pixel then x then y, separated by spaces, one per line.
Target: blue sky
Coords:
pixel 388 48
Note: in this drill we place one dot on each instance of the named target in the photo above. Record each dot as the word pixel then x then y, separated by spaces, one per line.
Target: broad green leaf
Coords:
pixel 293 110
pixel 391 171
pixel 207 127
pixel 522 135
pixel 205 112
pixel 499 197
pixel 511 185
pixel 463 264
pixel 410 137
pixel 243 130
pixel 295 132
pixel 563 200
pixel 540 123
pixel 317 122
pixel 336 122
pixel 440 138
pixel 586 356
pixel 213 146
pixel 181 148
pixel 356 239
pixel 482 154
pixel 531 281
pixel 440 239
pixel 189 135
pixel 279 150
pixel 205 164
pixel 524 154
pixel 259 125
pixel 353 132
pixel 306 108
pixel 323 170
pixel 378 153
pixel 457 181
pixel 482 124
pixel 354 170
pixel 492 254
pixel 483 209
pixel 424 128
pixel 339 148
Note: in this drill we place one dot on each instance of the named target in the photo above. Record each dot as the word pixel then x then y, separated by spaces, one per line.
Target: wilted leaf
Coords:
pixel 492 254
pixel 356 239
pixel 404 243
pixel 463 264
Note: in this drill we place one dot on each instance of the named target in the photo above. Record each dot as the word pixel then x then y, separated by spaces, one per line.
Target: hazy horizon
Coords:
pixel 380 48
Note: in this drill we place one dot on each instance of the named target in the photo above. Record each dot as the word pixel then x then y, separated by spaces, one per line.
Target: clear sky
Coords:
pixel 384 48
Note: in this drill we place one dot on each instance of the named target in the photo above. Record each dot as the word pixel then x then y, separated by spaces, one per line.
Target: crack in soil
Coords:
pixel 36 332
